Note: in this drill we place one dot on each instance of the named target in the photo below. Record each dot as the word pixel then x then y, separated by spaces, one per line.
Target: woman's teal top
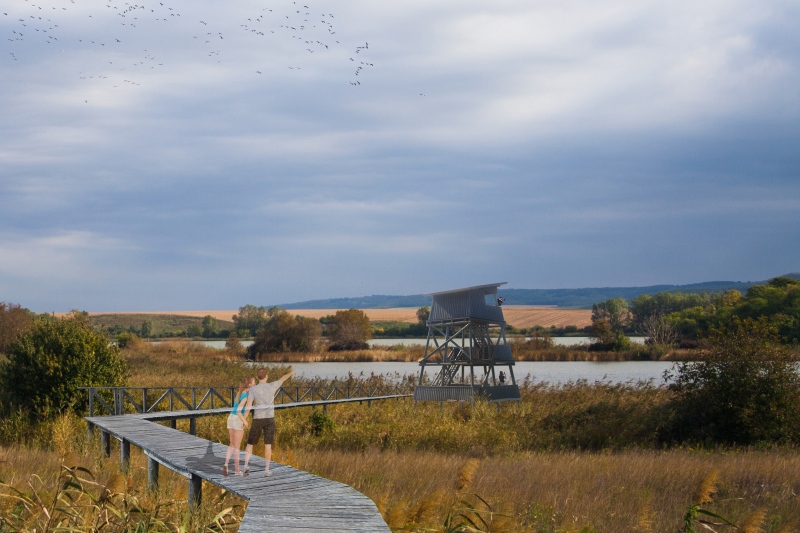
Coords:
pixel 240 401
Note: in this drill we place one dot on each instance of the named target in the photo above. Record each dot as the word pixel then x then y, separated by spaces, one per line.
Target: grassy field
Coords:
pixel 164 324
pixel 573 458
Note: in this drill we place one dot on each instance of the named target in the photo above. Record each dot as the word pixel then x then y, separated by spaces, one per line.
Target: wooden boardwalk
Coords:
pixel 288 501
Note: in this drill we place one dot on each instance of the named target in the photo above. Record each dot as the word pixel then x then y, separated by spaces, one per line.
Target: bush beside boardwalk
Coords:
pixel 577 457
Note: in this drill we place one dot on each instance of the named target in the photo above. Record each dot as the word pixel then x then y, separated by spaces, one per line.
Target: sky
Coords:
pixel 198 154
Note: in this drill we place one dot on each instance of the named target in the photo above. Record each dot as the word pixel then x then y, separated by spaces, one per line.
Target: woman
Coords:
pixel 237 421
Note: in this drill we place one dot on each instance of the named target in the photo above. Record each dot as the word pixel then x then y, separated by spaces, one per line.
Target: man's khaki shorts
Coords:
pixel 267 425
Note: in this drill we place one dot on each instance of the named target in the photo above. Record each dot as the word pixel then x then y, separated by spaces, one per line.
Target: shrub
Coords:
pixel 350 330
pixel 423 314
pixel 48 363
pixel 286 333
pixel 745 391
pixel 616 342
pixel 125 338
pixel 320 422
pixel 233 345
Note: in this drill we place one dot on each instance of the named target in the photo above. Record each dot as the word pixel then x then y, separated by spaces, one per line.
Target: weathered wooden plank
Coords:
pixel 288 501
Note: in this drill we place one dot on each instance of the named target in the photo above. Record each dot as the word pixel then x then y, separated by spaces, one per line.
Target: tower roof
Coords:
pixel 466 304
pixel 490 288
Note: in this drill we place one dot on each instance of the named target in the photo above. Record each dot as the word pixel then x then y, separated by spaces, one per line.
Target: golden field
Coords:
pixel 518 316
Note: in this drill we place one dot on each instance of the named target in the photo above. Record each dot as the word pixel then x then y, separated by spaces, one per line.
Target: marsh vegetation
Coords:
pixel 576 457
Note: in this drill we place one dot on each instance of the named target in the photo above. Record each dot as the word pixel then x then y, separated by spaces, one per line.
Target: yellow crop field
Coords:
pixel 521 316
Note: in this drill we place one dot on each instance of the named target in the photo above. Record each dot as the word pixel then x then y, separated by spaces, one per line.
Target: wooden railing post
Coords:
pixel 193 425
pixel 119 409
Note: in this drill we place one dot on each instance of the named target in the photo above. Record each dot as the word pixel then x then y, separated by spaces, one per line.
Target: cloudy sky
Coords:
pixel 198 154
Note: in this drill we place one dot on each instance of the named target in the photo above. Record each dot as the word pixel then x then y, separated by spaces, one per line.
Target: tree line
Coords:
pixel 682 319
pixel 277 330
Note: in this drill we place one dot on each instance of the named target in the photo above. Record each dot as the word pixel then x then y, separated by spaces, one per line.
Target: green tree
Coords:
pixel 601 330
pixel 656 316
pixel 286 333
pixel 609 319
pixel 48 363
pixel 615 311
pixel 423 313
pixel 779 300
pixel 14 321
pixel 746 390
pixel 147 328
pixel 209 326
pixel 251 319
pixel 350 330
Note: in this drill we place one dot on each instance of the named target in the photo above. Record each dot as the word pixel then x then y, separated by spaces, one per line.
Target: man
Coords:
pixel 263 398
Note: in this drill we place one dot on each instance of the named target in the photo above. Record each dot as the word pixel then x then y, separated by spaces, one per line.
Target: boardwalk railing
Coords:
pixel 122 400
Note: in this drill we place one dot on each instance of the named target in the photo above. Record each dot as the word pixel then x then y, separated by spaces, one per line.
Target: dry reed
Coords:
pixel 754 522
pixel 39 473
pixel 624 491
pixel 466 474
pixel 707 488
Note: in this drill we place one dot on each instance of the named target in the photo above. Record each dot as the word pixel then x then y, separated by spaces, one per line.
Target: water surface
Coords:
pixel 555 372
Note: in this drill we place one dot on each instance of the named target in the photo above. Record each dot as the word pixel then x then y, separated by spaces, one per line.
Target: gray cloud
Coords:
pixel 552 145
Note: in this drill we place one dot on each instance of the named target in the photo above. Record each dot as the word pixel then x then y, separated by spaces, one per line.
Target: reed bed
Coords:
pixel 48 473
pixel 568 417
pixel 397 353
pixel 628 490
pixel 576 457
pixel 539 350
pixel 182 356
pixel 636 490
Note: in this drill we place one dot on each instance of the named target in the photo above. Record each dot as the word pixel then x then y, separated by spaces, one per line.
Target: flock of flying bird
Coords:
pixel 102 37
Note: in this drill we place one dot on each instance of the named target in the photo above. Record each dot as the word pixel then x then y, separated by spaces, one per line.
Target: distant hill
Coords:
pixel 576 298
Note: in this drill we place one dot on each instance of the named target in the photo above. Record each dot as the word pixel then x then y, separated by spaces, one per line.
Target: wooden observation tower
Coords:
pixel 467 349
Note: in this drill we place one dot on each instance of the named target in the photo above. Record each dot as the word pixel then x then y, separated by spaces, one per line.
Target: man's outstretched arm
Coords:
pixel 285 377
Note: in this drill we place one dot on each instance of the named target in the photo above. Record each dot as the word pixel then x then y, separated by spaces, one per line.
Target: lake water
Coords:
pixel 537 371
pixel 558 341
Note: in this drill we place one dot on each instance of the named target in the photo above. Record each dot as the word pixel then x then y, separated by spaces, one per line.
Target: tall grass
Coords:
pixel 397 353
pixel 185 364
pixel 541 349
pixel 574 457
pixel 72 486
pixel 565 417
pixel 636 490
